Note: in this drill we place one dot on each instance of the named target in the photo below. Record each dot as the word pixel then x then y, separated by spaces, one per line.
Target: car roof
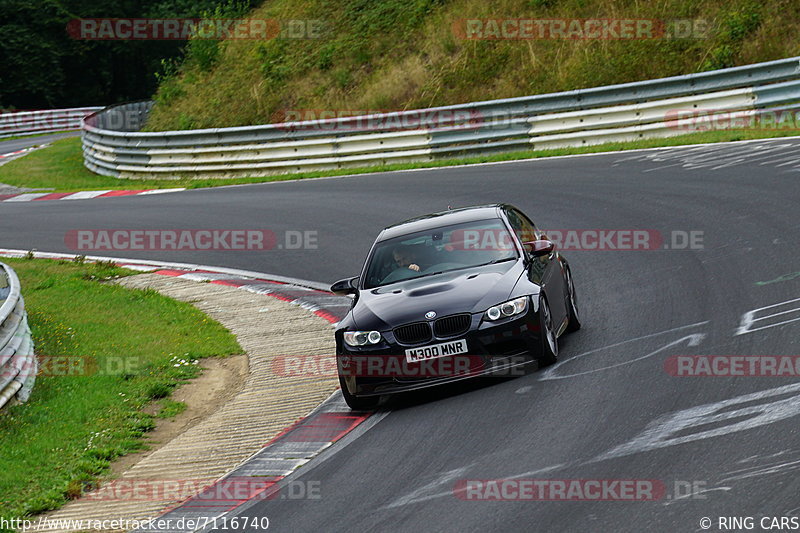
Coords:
pixel 441 218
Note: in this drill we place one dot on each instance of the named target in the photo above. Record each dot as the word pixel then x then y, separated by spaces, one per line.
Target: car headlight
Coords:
pixel 507 309
pixel 362 338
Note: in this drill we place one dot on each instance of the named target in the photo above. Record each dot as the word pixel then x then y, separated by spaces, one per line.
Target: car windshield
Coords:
pixel 431 252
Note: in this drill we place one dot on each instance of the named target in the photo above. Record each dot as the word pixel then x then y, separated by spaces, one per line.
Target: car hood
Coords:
pixel 462 291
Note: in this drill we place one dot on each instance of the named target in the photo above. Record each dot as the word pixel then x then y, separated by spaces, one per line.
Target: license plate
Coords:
pixel 433 351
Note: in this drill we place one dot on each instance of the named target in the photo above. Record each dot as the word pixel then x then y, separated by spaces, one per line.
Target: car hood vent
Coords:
pixel 432 289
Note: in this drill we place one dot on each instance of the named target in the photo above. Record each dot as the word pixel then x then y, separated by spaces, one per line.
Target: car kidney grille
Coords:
pixel 413 333
pixel 450 326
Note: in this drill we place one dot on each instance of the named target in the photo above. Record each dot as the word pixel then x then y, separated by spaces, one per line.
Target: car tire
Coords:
pixel 548 351
pixel 574 323
pixel 354 402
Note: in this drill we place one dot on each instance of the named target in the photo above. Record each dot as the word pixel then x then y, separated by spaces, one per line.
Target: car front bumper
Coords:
pixel 501 349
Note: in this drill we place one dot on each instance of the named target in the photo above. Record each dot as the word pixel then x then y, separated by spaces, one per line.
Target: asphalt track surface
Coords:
pixel 24 142
pixel 608 410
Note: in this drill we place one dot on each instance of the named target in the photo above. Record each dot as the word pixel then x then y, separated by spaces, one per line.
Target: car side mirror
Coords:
pixel 539 248
pixel 346 286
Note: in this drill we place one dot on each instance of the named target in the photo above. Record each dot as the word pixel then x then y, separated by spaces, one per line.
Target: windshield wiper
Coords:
pixel 495 261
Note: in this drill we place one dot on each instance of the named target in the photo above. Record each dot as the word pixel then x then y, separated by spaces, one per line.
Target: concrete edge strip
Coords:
pixel 82 195
pixel 258 477
pixel 146 265
pixel 313 300
pixel 262 476
pixel 287 481
pixel 18 152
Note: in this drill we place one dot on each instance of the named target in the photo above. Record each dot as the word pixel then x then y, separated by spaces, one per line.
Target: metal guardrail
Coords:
pixel 45 121
pixel 114 146
pixel 18 365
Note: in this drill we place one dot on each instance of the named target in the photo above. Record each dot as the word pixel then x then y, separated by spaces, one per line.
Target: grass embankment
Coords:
pixel 59 167
pixel 405 54
pixel 125 348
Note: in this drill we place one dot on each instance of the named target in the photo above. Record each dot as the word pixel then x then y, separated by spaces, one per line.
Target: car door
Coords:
pixel 545 270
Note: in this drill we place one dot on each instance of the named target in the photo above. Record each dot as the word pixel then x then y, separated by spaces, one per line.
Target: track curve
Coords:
pixel 18 143
pixel 608 410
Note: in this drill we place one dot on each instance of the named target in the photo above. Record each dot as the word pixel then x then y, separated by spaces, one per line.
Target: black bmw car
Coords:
pixel 452 295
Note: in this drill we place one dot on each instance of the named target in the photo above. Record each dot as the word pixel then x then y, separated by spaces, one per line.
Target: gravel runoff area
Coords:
pixel 265 404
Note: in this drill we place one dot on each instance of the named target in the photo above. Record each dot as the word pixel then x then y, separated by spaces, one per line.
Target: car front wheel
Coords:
pixel 572 305
pixel 548 351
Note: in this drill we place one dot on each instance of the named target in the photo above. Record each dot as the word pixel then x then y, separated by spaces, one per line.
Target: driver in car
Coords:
pixel 405 257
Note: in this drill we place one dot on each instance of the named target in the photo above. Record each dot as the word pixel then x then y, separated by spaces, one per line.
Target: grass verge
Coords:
pixel 60 167
pixel 118 350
